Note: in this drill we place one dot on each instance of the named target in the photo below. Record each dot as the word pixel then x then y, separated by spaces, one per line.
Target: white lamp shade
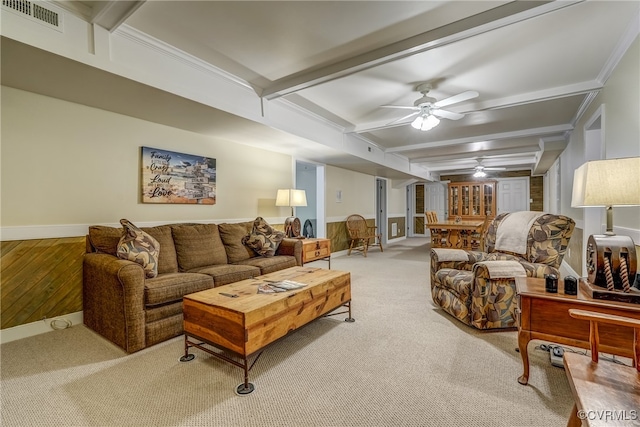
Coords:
pixel 612 182
pixel 291 197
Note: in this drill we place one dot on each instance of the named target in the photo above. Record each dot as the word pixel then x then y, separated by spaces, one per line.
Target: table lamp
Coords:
pixel 291 197
pixel 611 259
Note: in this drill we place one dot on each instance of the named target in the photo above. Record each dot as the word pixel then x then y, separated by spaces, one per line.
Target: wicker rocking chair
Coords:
pixel 361 234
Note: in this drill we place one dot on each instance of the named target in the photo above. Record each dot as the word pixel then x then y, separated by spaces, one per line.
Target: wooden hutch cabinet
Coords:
pixel 472 200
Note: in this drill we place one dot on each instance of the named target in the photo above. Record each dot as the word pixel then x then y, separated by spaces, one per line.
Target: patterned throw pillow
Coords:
pixel 263 239
pixel 137 246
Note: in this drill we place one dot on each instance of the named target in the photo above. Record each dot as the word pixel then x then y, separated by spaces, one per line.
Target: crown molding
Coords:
pixel 163 48
pixel 621 48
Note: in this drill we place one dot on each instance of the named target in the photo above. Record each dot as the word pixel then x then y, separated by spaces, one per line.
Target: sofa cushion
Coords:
pixel 171 287
pixel 167 260
pixel 263 239
pixel 105 239
pixel 140 247
pixel 225 274
pixel 198 245
pixel 270 264
pixel 232 235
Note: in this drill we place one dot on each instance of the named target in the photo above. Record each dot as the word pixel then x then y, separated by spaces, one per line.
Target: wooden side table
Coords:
pixel 541 315
pixel 314 249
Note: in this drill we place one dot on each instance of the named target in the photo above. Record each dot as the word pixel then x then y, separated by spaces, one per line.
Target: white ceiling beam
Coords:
pixel 432 160
pixel 549 94
pixel 508 162
pixel 111 14
pixel 492 19
pixel 547 130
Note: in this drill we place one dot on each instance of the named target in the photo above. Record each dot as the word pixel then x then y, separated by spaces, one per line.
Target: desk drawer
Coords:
pixel 318 249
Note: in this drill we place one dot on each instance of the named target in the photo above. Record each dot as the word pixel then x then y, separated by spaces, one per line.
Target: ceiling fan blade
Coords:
pixel 403 118
pixel 470 94
pixel 404 107
pixel 447 114
pixel 495 169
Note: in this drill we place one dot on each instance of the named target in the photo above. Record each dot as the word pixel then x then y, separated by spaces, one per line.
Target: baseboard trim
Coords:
pixel 40 327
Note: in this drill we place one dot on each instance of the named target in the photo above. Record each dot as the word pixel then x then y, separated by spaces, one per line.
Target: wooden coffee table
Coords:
pixel 241 326
pixel 541 315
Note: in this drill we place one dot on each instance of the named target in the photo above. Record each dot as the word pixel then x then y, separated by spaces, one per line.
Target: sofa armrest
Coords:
pixel 113 299
pixel 291 247
pixel 539 270
pixel 492 300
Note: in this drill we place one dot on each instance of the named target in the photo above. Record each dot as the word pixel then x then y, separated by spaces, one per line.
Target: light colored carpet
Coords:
pixel 403 362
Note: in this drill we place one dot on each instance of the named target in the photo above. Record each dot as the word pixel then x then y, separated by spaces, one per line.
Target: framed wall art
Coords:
pixel 171 177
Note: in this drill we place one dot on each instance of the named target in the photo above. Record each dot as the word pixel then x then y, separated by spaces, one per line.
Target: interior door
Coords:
pixel 436 199
pixel 513 194
pixel 381 208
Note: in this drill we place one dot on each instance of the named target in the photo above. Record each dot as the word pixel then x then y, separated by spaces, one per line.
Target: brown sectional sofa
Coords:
pixel 135 312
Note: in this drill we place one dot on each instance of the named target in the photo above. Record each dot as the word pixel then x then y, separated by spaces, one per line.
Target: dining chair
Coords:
pixel 438 235
pixel 477 236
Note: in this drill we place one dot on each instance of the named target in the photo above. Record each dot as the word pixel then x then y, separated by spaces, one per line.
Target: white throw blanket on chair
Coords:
pixel 513 231
pixel 451 254
pixel 504 269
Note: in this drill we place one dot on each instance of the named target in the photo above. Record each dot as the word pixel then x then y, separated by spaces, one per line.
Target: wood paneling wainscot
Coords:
pixel 41 278
pixel 401 224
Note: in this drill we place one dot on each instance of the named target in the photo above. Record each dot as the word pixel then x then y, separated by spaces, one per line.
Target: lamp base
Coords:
pixel 611 262
pixel 597 292
pixel 292 227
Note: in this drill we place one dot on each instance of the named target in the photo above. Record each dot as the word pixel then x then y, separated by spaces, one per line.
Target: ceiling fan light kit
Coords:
pixel 425 122
pixel 428 109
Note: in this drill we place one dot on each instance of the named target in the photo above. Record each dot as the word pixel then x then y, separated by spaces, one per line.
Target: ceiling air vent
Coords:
pixel 34 11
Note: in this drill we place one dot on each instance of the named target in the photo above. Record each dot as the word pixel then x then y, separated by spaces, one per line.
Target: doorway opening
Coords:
pixel 310 178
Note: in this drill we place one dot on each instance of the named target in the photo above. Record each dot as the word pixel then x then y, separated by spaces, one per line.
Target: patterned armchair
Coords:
pixel 478 288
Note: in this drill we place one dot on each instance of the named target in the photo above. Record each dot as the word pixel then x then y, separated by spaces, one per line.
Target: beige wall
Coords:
pixel 396 200
pixel 358 195
pixel 620 101
pixel 65 163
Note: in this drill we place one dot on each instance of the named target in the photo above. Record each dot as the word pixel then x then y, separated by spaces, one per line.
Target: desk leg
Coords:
pixel 523 343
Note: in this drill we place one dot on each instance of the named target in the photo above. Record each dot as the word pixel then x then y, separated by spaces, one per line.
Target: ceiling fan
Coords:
pixel 479 169
pixel 429 110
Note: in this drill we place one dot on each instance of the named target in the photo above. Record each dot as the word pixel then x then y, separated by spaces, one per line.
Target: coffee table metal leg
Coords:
pixel 348 319
pixel 187 357
pixel 246 387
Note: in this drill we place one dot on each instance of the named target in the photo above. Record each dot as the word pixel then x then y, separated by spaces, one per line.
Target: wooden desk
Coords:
pixel 455 238
pixel 545 316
